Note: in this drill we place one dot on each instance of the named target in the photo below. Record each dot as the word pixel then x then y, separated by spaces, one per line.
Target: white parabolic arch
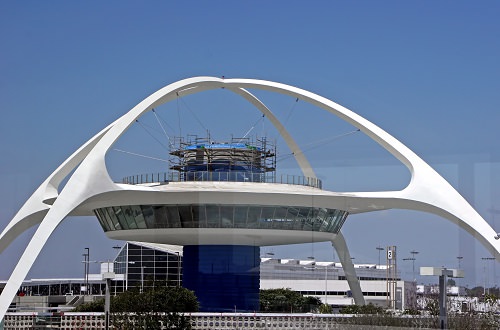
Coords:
pixel 427 190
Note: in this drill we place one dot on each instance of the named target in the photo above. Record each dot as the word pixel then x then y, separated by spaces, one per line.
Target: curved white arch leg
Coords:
pixel 340 246
pixel 36 207
pixel 38 210
pixel 43 232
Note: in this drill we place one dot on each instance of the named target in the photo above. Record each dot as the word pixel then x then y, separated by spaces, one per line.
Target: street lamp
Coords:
pixel 413 253
pixel 84 285
pixel 178 268
pixel 380 249
pixel 326 282
pixel 142 279
pixel 413 260
pixel 86 269
pixel 486 271
pixel 459 258
pixel 108 276
pixel 317 266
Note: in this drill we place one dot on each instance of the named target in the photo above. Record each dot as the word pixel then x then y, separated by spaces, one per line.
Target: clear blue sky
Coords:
pixel 427 72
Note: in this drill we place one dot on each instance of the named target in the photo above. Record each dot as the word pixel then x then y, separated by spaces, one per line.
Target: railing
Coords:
pixel 164 178
pixel 250 321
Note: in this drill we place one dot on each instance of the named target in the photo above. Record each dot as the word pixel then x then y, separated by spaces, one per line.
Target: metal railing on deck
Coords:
pixel 164 178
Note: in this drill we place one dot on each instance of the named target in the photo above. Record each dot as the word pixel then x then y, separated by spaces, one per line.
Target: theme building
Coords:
pixel 222 220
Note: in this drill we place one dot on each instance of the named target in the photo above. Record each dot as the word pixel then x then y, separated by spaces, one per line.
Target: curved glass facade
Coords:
pixel 221 216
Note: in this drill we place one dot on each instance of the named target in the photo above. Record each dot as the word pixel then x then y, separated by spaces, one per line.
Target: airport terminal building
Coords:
pixel 137 264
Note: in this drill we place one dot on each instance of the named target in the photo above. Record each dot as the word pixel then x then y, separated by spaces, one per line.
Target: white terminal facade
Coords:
pixel 138 263
pixel 228 217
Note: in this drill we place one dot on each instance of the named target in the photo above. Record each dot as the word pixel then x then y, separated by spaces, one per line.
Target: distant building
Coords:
pixel 327 281
pixel 451 290
pixel 137 264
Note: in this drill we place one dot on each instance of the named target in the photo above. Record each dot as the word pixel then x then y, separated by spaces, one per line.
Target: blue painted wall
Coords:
pixel 224 277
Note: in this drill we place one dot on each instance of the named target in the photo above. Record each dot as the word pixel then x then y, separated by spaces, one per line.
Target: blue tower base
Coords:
pixel 224 277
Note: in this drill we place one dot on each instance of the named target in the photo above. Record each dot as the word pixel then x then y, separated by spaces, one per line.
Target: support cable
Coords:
pixel 291 111
pixel 251 128
pixel 139 155
pixel 178 114
pixel 154 137
pixel 164 131
pixel 194 115
pixel 317 144
pixel 292 108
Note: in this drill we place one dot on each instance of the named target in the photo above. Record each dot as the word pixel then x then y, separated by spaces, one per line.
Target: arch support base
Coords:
pixel 339 244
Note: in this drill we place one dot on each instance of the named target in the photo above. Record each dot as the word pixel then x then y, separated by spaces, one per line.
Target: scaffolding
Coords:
pixel 239 159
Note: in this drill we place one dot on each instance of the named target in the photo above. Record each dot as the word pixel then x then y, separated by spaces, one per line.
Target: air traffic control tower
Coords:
pixel 223 201
pixel 226 199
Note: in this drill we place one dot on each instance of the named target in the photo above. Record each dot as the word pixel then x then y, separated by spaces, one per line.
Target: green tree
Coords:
pixel 363 309
pixel 475 291
pixel 160 298
pixel 94 306
pixel 411 311
pixel 432 307
pixel 490 299
pixel 158 307
pixel 325 309
pixel 286 300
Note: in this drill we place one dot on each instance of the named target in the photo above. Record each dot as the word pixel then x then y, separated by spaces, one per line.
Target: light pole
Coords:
pixel 413 253
pixel 117 248
pixel 84 274
pixel 108 276
pixel 413 260
pixel 142 278
pixel 459 258
pixel 178 268
pixel 317 266
pixel 326 284
pixel 380 249
pixel 86 269
pixel 486 271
